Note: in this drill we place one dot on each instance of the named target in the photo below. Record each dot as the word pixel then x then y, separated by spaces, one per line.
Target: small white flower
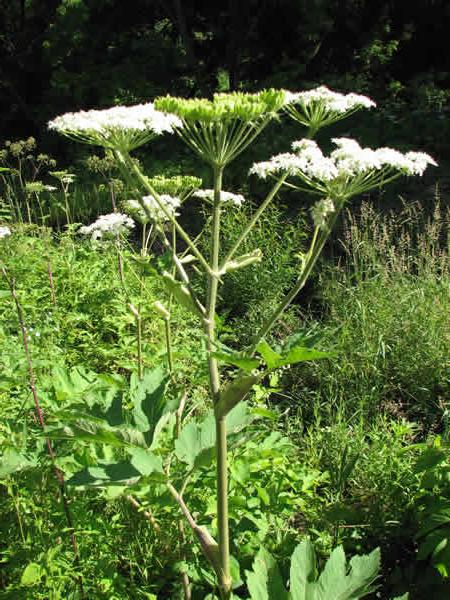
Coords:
pixel 153 211
pixel 108 226
pixel 4 232
pixel 226 197
pixel 308 160
pixel 320 212
pixel 123 127
pixel 330 101
pixel 349 169
pixel 320 107
pixel 419 161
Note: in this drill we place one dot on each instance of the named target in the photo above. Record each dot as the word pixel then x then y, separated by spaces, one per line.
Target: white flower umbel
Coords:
pixel 4 232
pixel 349 170
pixel 320 107
pixel 153 211
pixel 225 197
pixel 120 128
pixel 108 226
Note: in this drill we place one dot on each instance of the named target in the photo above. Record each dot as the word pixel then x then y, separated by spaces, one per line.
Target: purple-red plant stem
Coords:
pixel 40 416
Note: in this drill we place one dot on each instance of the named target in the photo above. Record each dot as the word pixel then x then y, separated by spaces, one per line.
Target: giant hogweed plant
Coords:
pixel 218 131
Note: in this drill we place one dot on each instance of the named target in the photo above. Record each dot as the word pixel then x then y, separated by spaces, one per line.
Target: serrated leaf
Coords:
pixel 363 573
pixel 146 463
pixel 148 399
pixel 94 430
pixel 195 438
pixel 269 355
pixel 237 359
pixel 121 473
pixel 196 443
pixel 303 571
pixel 295 354
pixel 264 582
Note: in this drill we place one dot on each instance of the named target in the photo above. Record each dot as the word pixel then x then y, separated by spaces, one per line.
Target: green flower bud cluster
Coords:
pixel 224 107
pixel 179 186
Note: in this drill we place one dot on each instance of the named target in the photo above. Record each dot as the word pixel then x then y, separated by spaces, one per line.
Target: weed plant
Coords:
pixel 385 307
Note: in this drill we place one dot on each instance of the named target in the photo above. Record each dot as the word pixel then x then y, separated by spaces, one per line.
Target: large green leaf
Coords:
pixel 79 388
pixel 335 584
pixel 147 463
pixel 148 400
pixel 237 359
pixel 142 463
pixel 95 430
pixel 195 440
pixel 303 571
pixel 13 461
pixel 32 574
pixel 181 293
pixel 293 355
pixel 121 473
pixel 264 582
pixel 235 392
pixel 196 443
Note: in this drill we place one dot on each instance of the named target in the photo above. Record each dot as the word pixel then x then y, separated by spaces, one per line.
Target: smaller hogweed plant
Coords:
pixel 218 131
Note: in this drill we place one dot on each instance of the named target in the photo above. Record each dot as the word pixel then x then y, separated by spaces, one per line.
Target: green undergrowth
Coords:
pixel 348 451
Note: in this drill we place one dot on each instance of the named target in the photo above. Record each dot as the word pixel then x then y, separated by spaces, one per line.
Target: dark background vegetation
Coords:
pixel 61 55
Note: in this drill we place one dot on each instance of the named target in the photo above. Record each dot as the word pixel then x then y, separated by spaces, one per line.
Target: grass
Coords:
pixel 385 307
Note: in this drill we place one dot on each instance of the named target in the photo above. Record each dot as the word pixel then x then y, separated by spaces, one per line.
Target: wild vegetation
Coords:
pixel 224 322
pixel 162 436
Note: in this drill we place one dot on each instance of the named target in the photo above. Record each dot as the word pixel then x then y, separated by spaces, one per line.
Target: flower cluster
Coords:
pixel 332 101
pixel 4 232
pixel 348 170
pixel 120 127
pixel 37 187
pixel 321 211
pixel 321 106
pixel 227 197
pixel 179 186
pixel 64 176
pixel 153 210
pixel 224 107
pixel 108 226
pixel 308 159
pixel 350 159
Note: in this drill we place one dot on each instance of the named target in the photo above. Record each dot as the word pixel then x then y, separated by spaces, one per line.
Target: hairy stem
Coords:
pixel 214 382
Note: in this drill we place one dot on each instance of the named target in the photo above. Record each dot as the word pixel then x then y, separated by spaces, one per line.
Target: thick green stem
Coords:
pixel 222 507
pixel 214 381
